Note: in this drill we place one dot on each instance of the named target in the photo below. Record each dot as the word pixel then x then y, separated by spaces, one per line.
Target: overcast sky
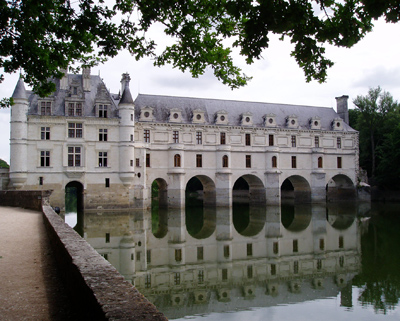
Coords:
pixel 374 61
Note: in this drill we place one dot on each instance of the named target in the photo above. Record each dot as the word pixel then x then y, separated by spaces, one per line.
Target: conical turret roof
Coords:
pixel 19 91
pixel 126 95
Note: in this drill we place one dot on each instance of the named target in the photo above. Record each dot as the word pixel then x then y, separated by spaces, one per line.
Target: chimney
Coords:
pixel 124 81
pixel 342 108
pixel 86 83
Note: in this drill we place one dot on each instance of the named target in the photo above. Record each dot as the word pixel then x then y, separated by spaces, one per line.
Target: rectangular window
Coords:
pixel 74 109
pixel 147 281
pixel 44 133
pixel 295 246
pixel 339 162
pixel 341 242
pixel 248 161
pixel 105 255
pixel 199 138
pixel 131 138
pixel 45 158
pixel 45 108
pixel 178 255
pixel 316 141
pixel 177 278
pixel 146 135
pixel 248 139
pixel 200 277
pixel 131 162
pixel 107 182
pixel 41 180
pixel 137 162
pixel 341 261
pixel 75 130
pixel 249 271
pixel 293 140
pixel 102 159
pixel 200 252
pixel 147 160
pixel 175 136
pixel 103 135
pixel 319 264
pixel 294 162
pixel 107 237
pixel 224 274
pixel 249 249
pixel 321 244
pixel 275 247
pixel 271 140
pixel 274 162
pixel 222 138
pixel 199 160
pixel 339 142
pixel 74 156
pixel 148 256
pixel 131 117
pixel 296 267
pixel 273 269
pixel 226 251
pixel 138 256
pixel 103 111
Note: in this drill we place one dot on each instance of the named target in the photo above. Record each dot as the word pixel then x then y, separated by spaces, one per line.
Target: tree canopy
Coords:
pixel 377 118
pixel 40 38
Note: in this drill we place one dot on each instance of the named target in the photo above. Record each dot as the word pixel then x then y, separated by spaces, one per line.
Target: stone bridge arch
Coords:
pixel 296 188
pixel 340 188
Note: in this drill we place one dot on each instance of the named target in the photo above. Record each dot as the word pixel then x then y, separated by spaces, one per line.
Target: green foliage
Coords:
pixel 3 164
pixel 43 38
pixel 377 119
pixel 379 280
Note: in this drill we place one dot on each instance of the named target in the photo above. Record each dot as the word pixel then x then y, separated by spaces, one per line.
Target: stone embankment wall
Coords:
pixel 32 200
pixel 94 284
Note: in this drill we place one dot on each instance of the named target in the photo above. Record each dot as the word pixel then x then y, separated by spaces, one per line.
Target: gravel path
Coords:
pixel 30 288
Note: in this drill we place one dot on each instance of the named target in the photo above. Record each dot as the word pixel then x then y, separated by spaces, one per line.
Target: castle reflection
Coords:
pixel 226 259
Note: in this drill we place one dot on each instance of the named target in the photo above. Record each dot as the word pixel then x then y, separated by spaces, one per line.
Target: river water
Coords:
pixel 293 262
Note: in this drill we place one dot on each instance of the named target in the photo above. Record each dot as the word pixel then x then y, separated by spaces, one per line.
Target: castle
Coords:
pixel 112 148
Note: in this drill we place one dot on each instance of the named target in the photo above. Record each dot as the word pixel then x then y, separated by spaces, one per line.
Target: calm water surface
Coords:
pixel 304 262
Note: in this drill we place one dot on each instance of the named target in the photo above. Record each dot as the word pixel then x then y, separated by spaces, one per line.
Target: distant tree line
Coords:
pixel 377 118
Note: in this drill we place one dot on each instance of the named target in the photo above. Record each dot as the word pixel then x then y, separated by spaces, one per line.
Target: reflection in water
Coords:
pixel 273 256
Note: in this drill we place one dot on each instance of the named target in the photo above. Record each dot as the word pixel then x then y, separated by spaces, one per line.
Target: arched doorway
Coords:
pixel 296 188
pixel 74 203
pixel 340 188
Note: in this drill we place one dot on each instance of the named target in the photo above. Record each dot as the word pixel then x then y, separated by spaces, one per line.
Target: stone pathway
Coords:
pixel 30 288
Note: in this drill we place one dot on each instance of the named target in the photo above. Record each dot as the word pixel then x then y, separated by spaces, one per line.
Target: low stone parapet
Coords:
pixel 95 286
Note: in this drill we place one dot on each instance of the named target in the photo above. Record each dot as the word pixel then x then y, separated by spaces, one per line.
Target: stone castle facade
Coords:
pixel 112 148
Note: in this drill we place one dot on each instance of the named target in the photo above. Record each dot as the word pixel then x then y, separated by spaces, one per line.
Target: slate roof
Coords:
pixel 19 91
pixel 163 104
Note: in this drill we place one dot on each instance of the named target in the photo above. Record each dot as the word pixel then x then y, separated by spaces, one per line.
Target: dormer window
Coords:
pixel 198 116
pixel 103 111
pixel 247 119
pixel 270 120
pixel 74 90
pixel 291 121
pixel 146 114
pixel 315 123
pixel 175 115
pixel 337 124
pixel 74 109
pixel 45 108
pixel 221 118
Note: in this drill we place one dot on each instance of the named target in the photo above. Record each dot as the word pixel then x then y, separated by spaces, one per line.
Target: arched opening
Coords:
pixel 296 188
pixel 320 162
pixel 295 217
pixel 340 188
pixel 200 212
pixel 249 189
pixel 74 205
pixel 159 205
pixel 159 193
pixel 225 161
pixel 177 160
